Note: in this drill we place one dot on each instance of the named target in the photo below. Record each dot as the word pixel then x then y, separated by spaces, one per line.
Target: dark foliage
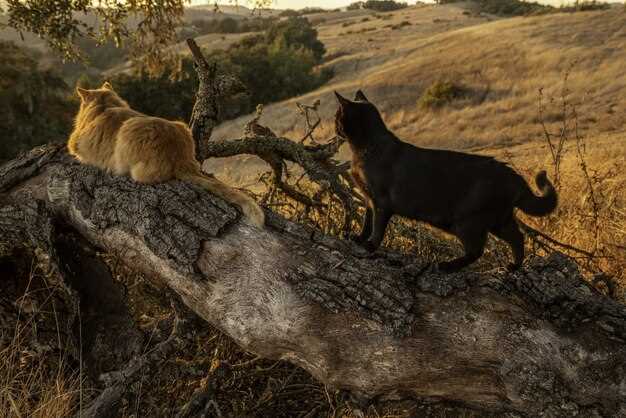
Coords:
pixel 34 104
pixel 296 32
pixel 274 66
pixel 227 25
pixel 384 5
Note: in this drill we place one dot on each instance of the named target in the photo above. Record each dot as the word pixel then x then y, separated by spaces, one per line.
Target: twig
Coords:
pixel 534 233
pixel 304 110
pixel 202 399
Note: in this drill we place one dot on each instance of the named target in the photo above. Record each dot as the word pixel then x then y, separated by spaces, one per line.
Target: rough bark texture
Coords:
pixel 539 342
pixel 213 92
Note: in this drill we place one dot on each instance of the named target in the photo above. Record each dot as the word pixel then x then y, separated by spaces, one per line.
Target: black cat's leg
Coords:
pixel 510 233
pixel 367 227
pixel 473 236
pixel 379 225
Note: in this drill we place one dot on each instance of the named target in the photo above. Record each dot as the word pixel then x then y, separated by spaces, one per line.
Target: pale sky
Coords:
pixel 332 4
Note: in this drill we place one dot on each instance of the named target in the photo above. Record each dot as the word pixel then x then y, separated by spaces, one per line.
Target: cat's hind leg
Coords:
pixel 511 234
pixel 380 219
pixel 473 235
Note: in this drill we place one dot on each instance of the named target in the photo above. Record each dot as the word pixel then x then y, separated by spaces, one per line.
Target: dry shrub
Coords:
pixel 592 190
pixel 441 93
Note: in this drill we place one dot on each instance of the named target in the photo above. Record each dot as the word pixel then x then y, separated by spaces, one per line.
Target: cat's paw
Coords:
pixel 358 239
pixel 368 246
pixel 447 267
pixel 511 267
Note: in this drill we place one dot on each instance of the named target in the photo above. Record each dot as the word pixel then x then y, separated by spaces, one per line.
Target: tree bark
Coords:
pixel 537 342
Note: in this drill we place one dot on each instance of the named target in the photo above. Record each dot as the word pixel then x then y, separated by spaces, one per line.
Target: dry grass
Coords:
pixel 36 379
pixel 601 230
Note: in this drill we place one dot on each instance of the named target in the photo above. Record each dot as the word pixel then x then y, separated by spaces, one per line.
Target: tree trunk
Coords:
pixel 537 342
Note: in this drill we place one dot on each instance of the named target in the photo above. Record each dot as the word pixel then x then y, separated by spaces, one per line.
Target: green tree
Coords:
pixel 296 32
pixel 35 107
pixel 168 95
pixel 383 5
pixel 228 25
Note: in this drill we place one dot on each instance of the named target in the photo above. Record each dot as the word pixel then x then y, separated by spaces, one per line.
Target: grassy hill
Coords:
pixel 501 65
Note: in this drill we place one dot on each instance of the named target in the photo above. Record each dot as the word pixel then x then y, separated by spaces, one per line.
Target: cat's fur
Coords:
pixel 110 135
pixel 464 194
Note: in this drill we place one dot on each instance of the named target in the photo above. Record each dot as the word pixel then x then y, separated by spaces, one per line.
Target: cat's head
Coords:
pixel 357 120
pixel 104 96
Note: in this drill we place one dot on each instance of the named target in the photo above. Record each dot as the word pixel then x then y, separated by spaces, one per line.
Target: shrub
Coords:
pixel 441 93
pixel 384 5
pixel 296 32
pixel 311 10
pixel 229 25
pixel 509 8
pixel 355 6
pixel 167 96
pixel 289 13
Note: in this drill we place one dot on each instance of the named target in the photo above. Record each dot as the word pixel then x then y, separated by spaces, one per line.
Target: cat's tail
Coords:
pixel 538 205
pixel 252 212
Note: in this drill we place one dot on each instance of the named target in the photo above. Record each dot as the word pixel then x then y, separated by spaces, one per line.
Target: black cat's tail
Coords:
pixel 538 205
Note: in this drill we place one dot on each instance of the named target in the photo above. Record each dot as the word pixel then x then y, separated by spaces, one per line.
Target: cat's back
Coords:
pixel 141 126
pixel 451 170
pixel 150 135
pixel 110 120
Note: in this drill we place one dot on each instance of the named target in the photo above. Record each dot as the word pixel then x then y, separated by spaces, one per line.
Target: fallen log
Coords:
pixel 537 342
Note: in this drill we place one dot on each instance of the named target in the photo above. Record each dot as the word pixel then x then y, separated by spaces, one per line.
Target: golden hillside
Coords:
pixel 506 61
pixel 503 64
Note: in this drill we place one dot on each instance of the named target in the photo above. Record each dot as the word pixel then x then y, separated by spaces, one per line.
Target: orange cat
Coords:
pixel 110 135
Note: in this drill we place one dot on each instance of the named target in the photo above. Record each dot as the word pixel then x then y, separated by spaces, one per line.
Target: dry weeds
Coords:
pixel 38 375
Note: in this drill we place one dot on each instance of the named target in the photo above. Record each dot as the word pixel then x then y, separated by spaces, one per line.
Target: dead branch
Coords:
pixel 534 234
pixel 213 91
pixel 309 112
pixel 316 160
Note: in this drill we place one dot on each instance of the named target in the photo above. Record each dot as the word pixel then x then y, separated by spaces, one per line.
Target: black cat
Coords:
pixel 464 194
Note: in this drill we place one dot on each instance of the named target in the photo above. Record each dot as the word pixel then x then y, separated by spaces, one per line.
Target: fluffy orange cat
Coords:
pixel 110 135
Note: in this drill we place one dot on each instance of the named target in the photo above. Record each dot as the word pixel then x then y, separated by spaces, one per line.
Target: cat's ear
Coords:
pixel 360 97
pixel 82 93
pixel 107 86
pixel 342 100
